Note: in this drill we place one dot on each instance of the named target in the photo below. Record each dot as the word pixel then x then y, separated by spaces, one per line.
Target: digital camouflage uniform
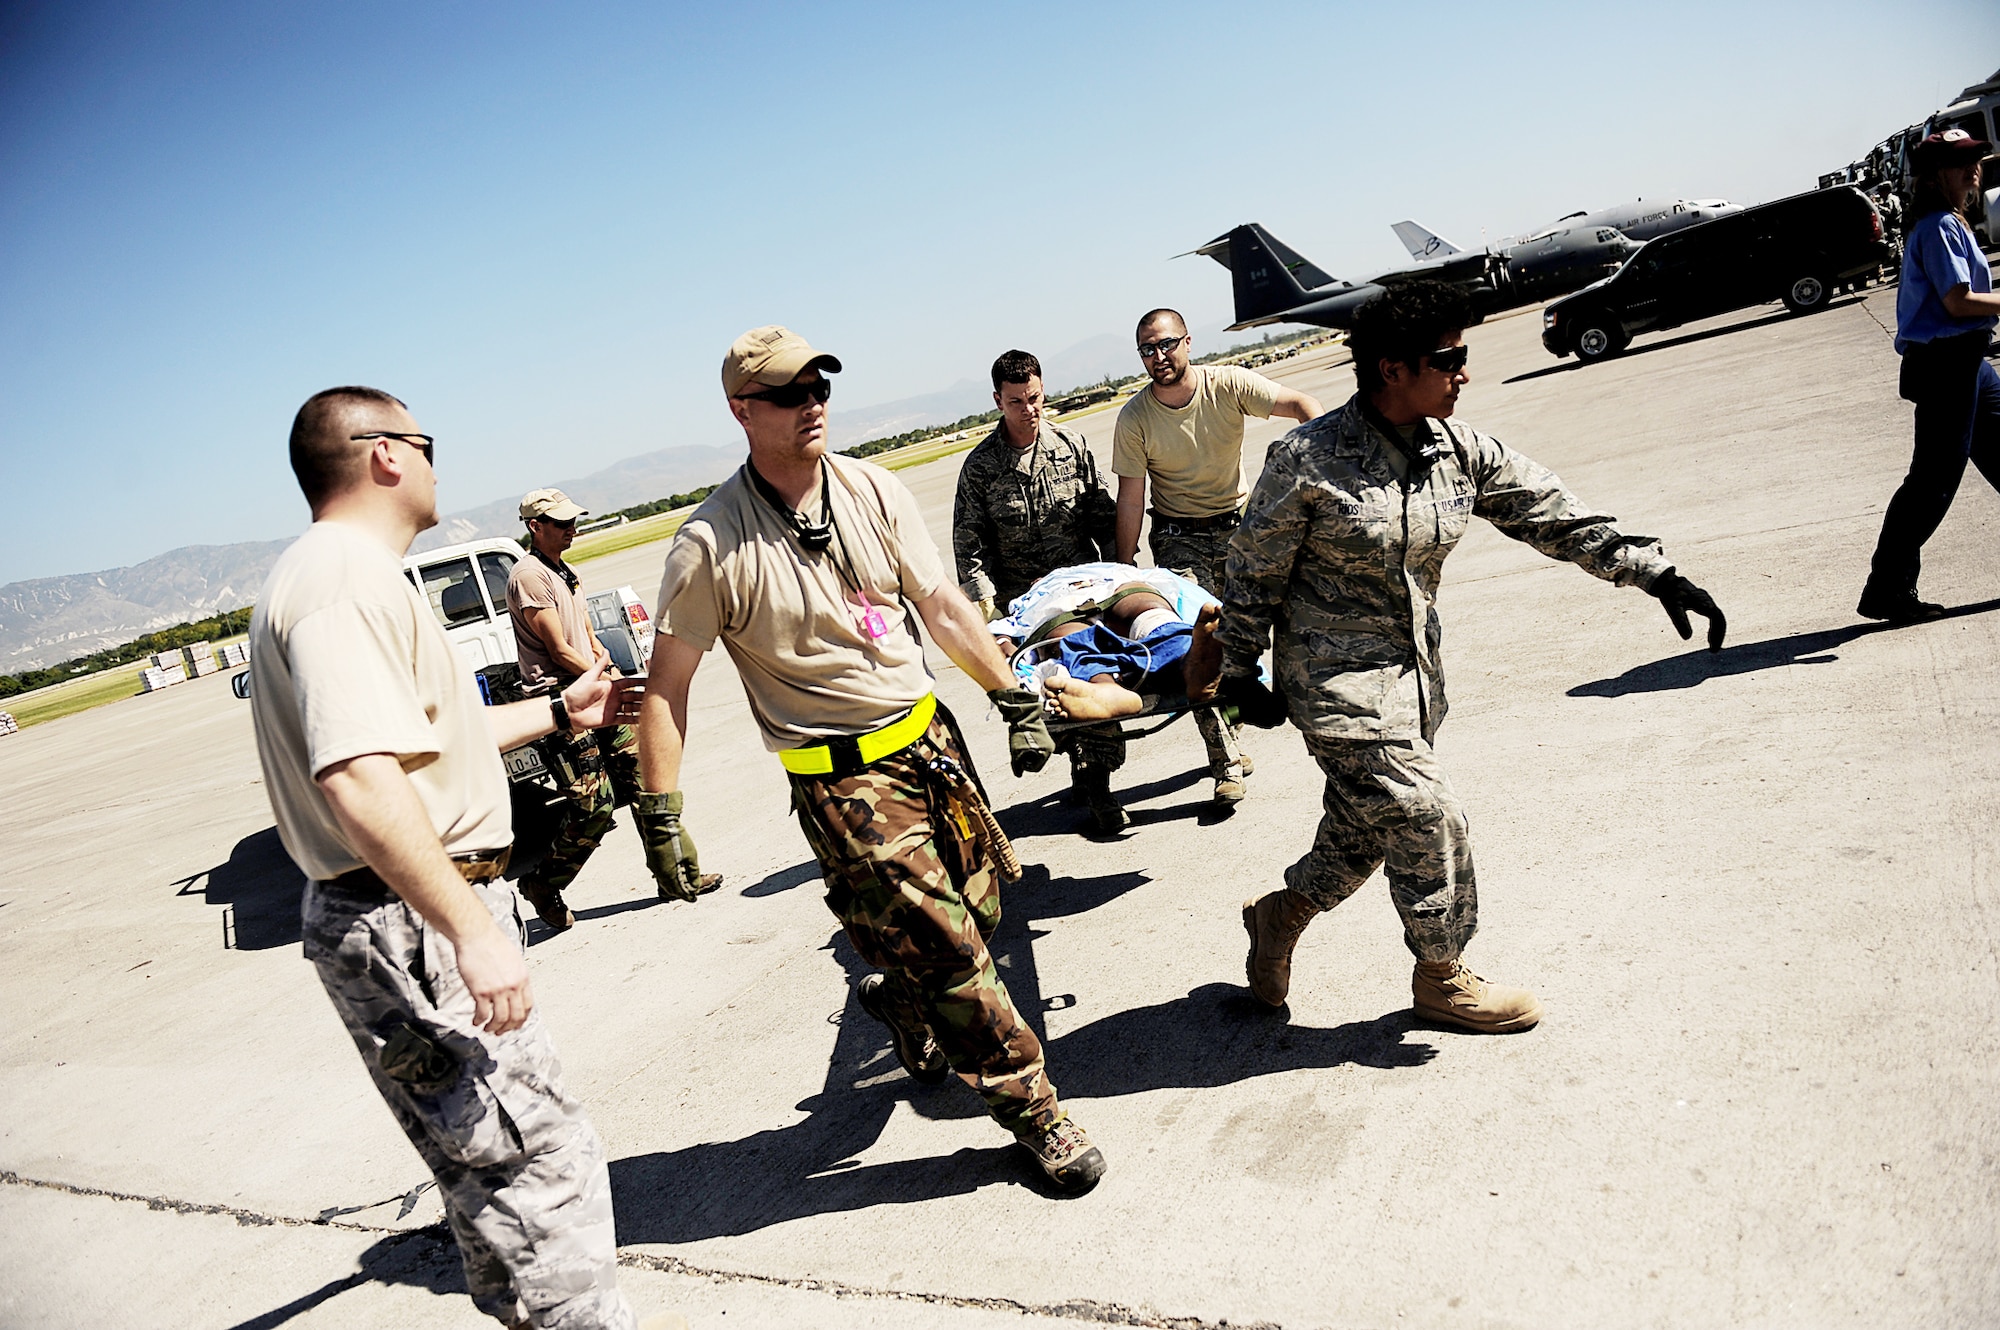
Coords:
pixel 597 770
pixel 917 895
pixel 1018 517
pixel 1341 551
pixel 1201 551
pixel 520 1168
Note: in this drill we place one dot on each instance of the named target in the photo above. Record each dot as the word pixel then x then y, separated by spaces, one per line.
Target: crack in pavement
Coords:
pixel 1087 1310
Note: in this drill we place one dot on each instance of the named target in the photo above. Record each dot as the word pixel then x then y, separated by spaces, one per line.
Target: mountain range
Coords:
pixel 49 619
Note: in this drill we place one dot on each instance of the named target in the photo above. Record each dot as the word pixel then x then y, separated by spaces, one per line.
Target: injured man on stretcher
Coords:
pixel 1100 641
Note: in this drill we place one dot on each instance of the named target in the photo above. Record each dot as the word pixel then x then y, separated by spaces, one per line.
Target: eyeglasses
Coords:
pixel 1450 359
pixel 567 524
pixel 1160 349
pixel 423 443
pixel 791 396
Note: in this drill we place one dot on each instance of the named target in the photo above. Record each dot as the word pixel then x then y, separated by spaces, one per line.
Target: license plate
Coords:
pixel 522 762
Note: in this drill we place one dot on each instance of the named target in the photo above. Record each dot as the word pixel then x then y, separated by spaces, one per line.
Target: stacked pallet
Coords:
pixel 199 660
pixel 234 654
pixel 7 723
pixel 153 679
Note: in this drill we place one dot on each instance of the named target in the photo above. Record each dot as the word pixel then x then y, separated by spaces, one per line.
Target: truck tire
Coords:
pixel 1598 338
pixel 1807 293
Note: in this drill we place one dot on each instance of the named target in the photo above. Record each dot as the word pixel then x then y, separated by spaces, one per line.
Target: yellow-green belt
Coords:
pixel 861 749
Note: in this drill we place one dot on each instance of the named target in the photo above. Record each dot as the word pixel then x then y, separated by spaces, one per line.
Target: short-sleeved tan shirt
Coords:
pixel 789 617
pixel 347 659
pixel 533 585
pixel 1193 454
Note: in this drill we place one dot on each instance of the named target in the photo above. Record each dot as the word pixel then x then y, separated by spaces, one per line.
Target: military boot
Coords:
pixel 1065 1154
pixel 548 903
pixel 1450 994
pixel 1897 607
pixel 915 1049
pixel 1274 922
pixel 1093 787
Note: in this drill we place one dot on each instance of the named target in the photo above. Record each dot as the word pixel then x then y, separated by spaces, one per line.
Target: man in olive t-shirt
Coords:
pixel 1184 433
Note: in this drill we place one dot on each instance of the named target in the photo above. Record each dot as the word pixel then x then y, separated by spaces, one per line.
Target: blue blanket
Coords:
pixel 1134 662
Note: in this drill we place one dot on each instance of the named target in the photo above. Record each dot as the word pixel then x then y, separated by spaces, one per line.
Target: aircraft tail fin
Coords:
pixel 1422 242
pixel 1269 276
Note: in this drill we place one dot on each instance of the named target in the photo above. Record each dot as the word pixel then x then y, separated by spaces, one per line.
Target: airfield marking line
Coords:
pixel 1087 1310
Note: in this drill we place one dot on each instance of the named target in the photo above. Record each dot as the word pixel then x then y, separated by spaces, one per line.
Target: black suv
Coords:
pixel 1798 250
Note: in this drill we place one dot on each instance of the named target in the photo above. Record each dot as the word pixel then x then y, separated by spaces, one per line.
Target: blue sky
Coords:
pixel 542 224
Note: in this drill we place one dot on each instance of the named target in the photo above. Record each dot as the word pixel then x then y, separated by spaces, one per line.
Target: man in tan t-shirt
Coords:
pixel 810 568
pixel 1184 433
pixel 554 645
pixel 384 773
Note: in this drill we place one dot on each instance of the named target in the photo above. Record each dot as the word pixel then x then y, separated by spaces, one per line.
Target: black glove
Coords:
pixel 1028 743
pixel 1254 703
pixel 670 851
pixel 1678 596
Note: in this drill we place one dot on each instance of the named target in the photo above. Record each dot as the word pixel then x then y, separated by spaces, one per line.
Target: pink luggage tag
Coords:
pixel 872 622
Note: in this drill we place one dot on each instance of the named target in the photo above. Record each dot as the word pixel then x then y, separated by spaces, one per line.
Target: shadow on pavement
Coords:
pixel 426 1258
pixel 1055 815
pixel 784 879
pixel 1214 1036
pixel 1692 668
pixel 260 891
pixel 1570 365
pixel 1218 1035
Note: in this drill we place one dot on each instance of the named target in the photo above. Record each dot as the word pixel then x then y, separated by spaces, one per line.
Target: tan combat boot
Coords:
pixel 1065 1154
pixel 1274 922
pixel 1450 994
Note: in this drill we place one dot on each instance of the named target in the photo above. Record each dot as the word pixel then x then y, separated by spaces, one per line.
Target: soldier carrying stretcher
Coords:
pixel 806 565
pixel 1341 553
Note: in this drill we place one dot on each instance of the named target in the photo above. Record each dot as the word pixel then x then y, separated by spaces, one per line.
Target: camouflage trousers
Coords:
pixel 1388 804
pixel 1201 555
pixel 519 1166
pixel 602 773
pixel 918 897
pixel 1101 746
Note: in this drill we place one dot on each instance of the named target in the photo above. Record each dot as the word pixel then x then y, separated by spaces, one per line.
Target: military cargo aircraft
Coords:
pixel 1275 284
pixel 1638 221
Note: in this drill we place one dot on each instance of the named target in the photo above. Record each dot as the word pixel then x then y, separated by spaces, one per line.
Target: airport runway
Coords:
pixel 1756 892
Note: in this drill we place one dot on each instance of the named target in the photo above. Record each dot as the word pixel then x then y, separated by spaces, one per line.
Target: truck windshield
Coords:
pixel 495 568
pixel 453 595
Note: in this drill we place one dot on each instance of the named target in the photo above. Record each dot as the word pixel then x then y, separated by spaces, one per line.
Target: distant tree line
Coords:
pixel 229 624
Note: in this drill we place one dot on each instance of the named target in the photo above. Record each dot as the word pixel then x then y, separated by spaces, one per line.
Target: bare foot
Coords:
pixel 1100 698
pixel 1201 670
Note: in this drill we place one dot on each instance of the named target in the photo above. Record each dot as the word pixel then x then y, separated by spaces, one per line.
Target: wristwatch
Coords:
pixel 560 711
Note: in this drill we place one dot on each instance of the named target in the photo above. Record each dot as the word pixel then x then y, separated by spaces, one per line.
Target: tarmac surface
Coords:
pixel 1755 890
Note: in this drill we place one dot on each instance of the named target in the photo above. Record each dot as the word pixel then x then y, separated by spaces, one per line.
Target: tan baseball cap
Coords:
pixel 771 356
pixel 550 503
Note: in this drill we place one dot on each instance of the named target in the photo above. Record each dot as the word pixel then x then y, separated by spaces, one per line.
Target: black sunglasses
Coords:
pixel 1450 359
pixel 423 443
pixel 1162 348
pixel 790 396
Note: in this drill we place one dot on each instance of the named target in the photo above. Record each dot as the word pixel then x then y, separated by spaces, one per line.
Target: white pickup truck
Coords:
pixel 466 587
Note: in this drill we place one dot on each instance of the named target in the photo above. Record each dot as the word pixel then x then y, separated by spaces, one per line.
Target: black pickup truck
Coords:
pixel 1799 250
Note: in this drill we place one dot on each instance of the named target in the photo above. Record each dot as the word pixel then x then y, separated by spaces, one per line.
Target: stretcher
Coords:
pixel 1084 591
